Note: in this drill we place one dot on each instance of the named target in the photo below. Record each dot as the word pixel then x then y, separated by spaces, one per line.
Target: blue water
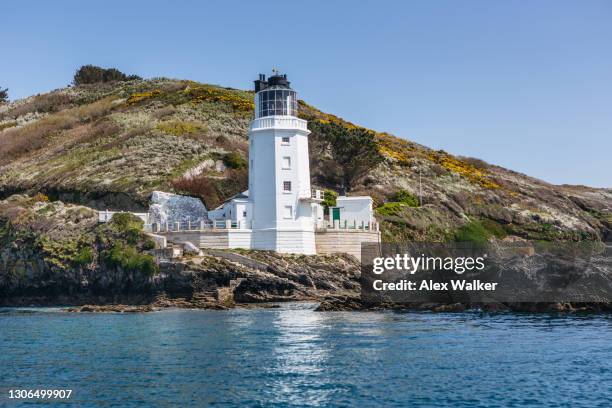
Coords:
pixel 294 356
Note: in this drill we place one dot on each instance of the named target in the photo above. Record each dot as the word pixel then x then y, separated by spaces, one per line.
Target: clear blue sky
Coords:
pixel 523 84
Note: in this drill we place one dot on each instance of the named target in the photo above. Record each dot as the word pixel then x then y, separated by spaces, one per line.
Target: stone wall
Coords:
pixel 215 239
pixel 329 241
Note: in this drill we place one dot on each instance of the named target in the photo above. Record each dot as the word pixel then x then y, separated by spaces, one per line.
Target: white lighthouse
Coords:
pixel 284 209
pixel 280 211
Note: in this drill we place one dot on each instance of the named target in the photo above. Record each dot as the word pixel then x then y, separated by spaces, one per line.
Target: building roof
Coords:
pixel 240 196
pixel 353 198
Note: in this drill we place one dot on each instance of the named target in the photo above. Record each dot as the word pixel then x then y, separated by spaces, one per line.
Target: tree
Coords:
pixel 91 74
pixel 3 95
pixel 354 150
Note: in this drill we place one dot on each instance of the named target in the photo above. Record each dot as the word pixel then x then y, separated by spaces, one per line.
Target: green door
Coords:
pixel 335 214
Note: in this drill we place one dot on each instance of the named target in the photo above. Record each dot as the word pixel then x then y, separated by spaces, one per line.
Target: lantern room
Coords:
pixel 274 97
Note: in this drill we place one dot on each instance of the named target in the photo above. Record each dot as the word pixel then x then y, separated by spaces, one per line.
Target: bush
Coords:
pixel 473 232
pixel 41 198
pixel 148 245
pixel 495 228
pixel 3 95
pixel 234 161
pixel 124 222
pixel 84 256
pixel 329 199
pixel 128 258
pixel 180 128
pixel 390 209
pixel 91 74
pixel 213 190
pixel 405 197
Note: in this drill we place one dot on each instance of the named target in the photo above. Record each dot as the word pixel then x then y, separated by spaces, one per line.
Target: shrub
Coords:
pixel 126 223
pixel 233 160
pixel 3 95
pixel 141 96
pixel 128 258
pixel 148 244
pixel 390 209
pixel 91 74
pixel 405 197
pixel 239 101
pixel 495 228
pixel 329 199
pixel 84 256
pixel 40 197
pixel 180 128
pixel 476 163
pixel 473 232
pixel 213 190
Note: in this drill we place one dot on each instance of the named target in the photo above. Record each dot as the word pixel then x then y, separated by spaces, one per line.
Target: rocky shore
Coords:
pixel 55 254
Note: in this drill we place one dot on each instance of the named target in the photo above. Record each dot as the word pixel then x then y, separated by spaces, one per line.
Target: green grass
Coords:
pixel 473 232
pixel 495 228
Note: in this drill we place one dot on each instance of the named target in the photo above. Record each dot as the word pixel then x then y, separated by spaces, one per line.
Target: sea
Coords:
pixel 292 356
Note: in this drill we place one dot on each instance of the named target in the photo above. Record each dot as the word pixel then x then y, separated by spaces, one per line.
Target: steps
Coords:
pixel 237 258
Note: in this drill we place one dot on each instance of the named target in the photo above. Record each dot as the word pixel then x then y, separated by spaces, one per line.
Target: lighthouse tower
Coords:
pixel 283 208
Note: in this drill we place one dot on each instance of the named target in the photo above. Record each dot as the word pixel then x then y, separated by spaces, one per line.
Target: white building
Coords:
pixel 280 211
pixel 353 209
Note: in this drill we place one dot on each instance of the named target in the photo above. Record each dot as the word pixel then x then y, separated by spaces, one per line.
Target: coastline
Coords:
pixel 326 304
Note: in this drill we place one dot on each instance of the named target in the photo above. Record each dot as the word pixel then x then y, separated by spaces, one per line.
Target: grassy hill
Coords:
pixel 109 145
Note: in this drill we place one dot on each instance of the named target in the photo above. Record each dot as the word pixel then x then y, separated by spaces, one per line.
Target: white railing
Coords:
pixel 310 195
pixel 183 226
pixel 348 225
pixel 279 122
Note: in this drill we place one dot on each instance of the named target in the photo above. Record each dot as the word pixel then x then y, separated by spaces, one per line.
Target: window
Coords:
pixel 277 102
pixel 287 163
pixel 286 186
pixel 288 213
pixel 285 140
pixel 244 214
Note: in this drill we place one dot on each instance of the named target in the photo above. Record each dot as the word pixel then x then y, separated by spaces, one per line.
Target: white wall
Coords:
pixel 355 209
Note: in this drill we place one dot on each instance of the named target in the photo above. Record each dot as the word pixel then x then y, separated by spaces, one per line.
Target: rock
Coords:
pixel 190 249
pixel 453 307
pixel 167 207
pixel 338 304
pixel 111 309
pixel 494 307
